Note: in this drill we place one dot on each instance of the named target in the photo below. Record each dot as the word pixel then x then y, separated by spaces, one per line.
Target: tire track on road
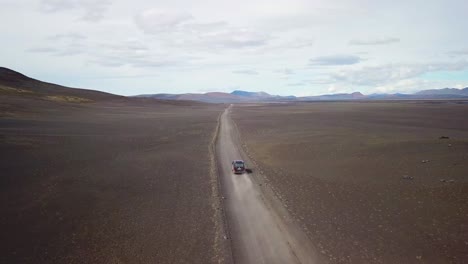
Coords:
pixel 261 229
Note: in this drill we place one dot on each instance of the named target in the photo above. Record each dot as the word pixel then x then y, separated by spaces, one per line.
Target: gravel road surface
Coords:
pixel 261 230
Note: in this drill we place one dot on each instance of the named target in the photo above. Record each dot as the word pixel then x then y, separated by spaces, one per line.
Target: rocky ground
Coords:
pixel 370 182
pixel 107 182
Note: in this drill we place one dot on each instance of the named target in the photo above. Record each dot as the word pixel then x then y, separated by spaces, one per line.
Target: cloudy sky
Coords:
pixel 299 47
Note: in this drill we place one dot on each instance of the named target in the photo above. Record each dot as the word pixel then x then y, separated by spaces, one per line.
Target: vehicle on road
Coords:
pixel 238 166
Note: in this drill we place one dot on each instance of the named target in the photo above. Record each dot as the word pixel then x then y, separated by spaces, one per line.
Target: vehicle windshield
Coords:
pixel 239 164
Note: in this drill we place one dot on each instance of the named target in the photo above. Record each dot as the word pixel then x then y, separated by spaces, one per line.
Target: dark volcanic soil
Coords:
pixel 107 182
pixel 369 182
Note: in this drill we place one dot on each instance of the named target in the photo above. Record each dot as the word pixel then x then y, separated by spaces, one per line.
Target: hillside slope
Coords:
pixel 15 83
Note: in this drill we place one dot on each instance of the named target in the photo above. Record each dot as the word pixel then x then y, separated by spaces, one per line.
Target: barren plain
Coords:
pixel 115 181
pixel 369 182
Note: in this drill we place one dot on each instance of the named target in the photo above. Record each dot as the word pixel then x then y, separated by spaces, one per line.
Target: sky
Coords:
pixel 285 47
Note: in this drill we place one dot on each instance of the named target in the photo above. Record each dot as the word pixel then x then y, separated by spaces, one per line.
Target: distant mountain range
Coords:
pixel 239 96
pixel 15 83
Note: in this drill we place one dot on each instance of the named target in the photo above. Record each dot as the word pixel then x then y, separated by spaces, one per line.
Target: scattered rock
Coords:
pixel 449 145
pixel 406 177
pixel 443 180
pixel 424 161
pixel 225 237
pixel 451 181
pixel 418 257
pixel 444 137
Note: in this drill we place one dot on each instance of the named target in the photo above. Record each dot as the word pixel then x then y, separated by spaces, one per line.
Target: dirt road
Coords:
pixel 260 228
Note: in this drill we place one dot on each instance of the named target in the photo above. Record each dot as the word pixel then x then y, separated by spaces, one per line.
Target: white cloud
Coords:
pixel 460 52
pixel 57 5
pixel 407 86
pixel 64 44
pixel 285 71
pixel 67 36
pixel 234 38
pixel 414 85
pixel 183 29
pixel 154 21
pixel 384 74
pixel 377 41
pixel 332 88
pixel 133 53
pixel 64 51
pixel 43 50
pixel 461 86
pixel 335 60
pixel 249 72
pixel 297 84
pixel 93 10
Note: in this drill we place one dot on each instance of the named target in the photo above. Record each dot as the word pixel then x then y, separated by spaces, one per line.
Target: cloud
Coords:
pixel 377 41
pixel 335 60
pixel 154 21
pixel 248 72
pixel 297 84
pixel 332 88
pixel 67 37
pixel 458 52
pixel 123 48
pixel 285 71
pixel 57 5
pixel 93 10
pixel 71 50
pixel 385 74
pixel 135 61
pixel 407 86
pixel 234 39
pixel 322 80
pixel 64 51
pixel 65 44
pixel 180 29
pixel 302 19
pixel 131 52
pixel 43 50
pixel 415 85
pixel 135 53
pixel 301 43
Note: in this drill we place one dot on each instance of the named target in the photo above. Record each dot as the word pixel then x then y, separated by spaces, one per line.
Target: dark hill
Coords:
pixel 18 86
pixel 15 83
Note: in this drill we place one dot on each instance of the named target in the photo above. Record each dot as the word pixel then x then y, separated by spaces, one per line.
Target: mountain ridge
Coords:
pixel 15 82
pixel 247 96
